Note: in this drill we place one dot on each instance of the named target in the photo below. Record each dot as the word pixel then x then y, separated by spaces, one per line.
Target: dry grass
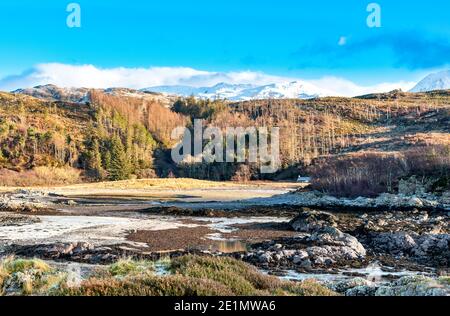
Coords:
pixel 197 276
pixel 11 180
pixel 190 276
pixel 40 176
pixel 428 139
pixel 174 183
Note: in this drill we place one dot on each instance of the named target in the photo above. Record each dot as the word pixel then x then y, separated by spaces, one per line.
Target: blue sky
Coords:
pixel 285 38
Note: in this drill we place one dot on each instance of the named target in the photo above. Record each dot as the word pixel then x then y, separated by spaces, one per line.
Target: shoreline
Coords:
pixel 313 234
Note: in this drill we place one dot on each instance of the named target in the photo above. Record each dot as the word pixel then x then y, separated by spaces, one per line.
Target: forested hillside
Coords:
pixel 107 138
pixel 354 146
pixel 349 146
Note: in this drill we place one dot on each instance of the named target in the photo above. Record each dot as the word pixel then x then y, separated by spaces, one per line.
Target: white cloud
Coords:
pixel 342 41
pixel 89 76
pixel 345 87
pixel 93 77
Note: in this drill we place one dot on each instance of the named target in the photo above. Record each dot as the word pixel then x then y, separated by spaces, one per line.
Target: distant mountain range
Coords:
pixel 243 92
pixel 52 92
pixel 231 92
pixel 290 90
pixel 81 95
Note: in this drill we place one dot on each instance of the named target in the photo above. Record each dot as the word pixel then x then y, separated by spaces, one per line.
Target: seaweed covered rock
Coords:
pixel 311 220
pixel 427 248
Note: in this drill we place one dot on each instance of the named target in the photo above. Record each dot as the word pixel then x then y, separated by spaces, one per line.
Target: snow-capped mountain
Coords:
pixel 221 90
pixel 243 92
pixel 436 81
pixel 291 90
pixel 52 92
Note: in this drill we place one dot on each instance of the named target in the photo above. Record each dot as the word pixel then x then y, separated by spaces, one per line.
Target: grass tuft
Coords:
pixel 28 277
pixel 12 265
pixel 191 276
pixel 127 267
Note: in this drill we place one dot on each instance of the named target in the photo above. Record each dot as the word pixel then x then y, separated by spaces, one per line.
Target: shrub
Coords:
pixel 429 160
pixel 174 285
pixel 373 173
pixel 238 276
pixel 307 288
pixel 192 276
pixel 362 174
pixel 242 174
pixel 242 278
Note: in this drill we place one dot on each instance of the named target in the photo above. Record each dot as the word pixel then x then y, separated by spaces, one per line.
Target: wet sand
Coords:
pixel 183 238
pixel 257 232
pixel 205 236
pixel 150 218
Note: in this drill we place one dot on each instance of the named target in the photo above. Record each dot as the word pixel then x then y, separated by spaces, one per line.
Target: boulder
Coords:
pixel 265 257
pixel 345 285
pixel 394 242
pixel 333 236
pixel 362 291
pixel 416 286
pixel 415 202
pixel 300 256
pixel 425 248
pixel 82 247
pixel 310 221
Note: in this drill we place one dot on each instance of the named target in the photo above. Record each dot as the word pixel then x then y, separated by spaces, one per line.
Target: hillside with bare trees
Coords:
pixel 349 146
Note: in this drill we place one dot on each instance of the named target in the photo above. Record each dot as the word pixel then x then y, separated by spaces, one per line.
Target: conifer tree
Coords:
pixel 119 166
pixel 95 160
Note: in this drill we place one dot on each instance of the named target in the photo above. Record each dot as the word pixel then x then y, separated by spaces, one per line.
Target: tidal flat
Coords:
pixel 345 251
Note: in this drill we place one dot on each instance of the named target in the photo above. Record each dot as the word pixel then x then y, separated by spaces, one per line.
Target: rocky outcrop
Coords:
pixel 394 243
pixel 386 201
pixel 76 251
pixel 83 252
pixel 428 248
pixel 24 201
pixel 12 219
pixel 346 245
pixel 354 287
pixel 319 244
pixel 411 239
pixel 417 285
